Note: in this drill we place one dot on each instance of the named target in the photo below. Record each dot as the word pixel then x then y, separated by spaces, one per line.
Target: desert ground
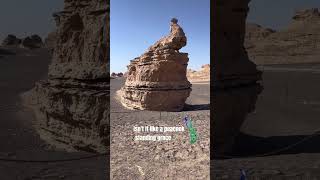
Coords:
pixel 284 128
pixel 174 159
pixel 19 70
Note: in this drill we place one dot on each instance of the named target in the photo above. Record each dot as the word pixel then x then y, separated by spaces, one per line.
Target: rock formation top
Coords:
pixel 306 14
pixel 175 40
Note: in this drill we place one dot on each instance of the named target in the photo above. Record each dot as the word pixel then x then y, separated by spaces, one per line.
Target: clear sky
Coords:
pixel 27 17
pixel 277 14
pixel 137 24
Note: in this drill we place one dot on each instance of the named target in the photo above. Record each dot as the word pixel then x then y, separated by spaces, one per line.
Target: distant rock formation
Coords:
pixel 120 74
pixel 254 33
pixel 30 42
pixel 298 43
pixel 202 75
pixel 307 14
pixel 72 106
pixel 236 79
pixel 11 40
pixel 114 75
pixel 157 79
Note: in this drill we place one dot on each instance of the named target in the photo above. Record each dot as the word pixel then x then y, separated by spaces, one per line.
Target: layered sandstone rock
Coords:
pixel 202 75
pixel 72 106
pixel 235 86
pixel 157 79
pixel 297 43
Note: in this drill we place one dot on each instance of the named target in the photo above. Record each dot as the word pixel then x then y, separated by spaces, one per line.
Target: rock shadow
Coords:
pixel 248 146
pixel 6 52
pixel 196 107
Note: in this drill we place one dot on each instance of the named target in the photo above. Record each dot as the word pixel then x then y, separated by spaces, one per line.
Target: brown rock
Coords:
pixel 157 79
pixel 235 83
pixel 72 106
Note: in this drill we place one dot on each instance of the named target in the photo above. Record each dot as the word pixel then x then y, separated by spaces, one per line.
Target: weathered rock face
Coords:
pixel 235 77
pixel 157 79
pixel 11 40
pixel 72 106
pixel 80 37
pixel 298 43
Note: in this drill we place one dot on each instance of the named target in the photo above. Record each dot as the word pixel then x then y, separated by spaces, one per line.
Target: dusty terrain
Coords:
pixel 175 159
pixel 287 113
pixel 19 70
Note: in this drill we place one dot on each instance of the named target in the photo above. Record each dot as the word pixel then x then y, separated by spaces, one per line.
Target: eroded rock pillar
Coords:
pixel 72 106
pixel 157 80
pixel 235 78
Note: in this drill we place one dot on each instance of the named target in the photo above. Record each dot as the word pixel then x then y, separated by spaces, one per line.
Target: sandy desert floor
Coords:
pixel 174 159
pixel 19 70
pixel 287 112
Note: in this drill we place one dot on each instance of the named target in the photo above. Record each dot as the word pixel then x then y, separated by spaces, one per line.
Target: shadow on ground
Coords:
pixel 5 52
pixel 196 107
pixel 247 146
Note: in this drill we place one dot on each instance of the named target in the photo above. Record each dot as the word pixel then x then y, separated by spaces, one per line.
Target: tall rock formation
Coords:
pixel 157 79
pixel 235 78
pixel 72 106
